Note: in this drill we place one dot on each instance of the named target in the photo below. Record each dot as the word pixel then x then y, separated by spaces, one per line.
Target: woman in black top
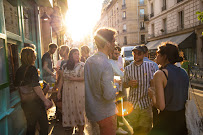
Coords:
pixel 171 92
pixel 34 110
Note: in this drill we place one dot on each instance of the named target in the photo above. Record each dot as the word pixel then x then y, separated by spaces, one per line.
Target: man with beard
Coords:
pixel 138 76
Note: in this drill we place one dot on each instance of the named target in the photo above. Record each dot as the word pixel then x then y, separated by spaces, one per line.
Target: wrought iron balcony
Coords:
pixel 152 15
pixel 142 28
pixel 179 1
pixel 146 17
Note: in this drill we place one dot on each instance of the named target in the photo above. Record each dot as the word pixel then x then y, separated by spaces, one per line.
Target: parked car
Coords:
pixel 126 53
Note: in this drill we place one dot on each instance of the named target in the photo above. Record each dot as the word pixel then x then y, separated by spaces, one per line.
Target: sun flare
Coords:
pixel 81 17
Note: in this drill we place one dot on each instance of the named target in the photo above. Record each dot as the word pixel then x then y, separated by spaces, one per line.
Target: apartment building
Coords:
pixel 128 17
pixel 176 21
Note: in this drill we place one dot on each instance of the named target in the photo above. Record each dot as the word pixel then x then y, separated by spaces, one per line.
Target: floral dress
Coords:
pixel 73 97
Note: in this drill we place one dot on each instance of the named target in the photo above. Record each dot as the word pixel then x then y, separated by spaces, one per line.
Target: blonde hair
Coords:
pixel 27 56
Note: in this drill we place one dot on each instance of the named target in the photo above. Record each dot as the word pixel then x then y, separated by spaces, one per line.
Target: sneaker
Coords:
pixel 120 124
pixel 121 131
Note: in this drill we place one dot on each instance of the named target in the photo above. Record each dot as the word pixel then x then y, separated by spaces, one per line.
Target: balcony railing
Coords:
pixel 163 8
pixel 124 30
pixel 123 18
pixel 124 6
pixel 146 17
pixel 142 28
pixel 179 1
pixel 152 15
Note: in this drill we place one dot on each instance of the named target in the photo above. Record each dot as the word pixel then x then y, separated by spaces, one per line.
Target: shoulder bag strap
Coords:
pixel 24 75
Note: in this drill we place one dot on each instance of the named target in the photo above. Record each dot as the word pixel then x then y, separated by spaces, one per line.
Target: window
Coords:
pixel 181 20
pixel 123 4
pixel 125 40
pixel 124 14
pixel 152 33
pixel 3 73
pixel 11 16
pixel 164 26
pixel 152 10
pixel 164 5
pixel 13 63
pixel 142 13
pixel 141 2
pixel 27 22
pixel 142 26
pixel 142 39
pixel 124 27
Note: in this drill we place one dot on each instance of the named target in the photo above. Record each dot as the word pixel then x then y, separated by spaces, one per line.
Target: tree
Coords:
pixel 200 17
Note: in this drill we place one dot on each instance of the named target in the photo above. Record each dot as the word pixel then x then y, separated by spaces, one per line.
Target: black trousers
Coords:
pixel 35 112
pixel 170 123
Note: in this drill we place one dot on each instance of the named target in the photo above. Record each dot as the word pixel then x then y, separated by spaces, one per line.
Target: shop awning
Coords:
pixel 184 41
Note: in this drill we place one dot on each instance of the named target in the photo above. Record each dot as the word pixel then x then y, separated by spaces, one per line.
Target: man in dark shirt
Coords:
pixel 47 64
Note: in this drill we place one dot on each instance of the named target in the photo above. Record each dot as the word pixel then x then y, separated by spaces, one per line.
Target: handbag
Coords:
pixel 27 93
pixel 193 121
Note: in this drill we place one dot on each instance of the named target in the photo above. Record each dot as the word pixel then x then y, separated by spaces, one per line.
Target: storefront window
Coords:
pixel 13 62
pixel 11 16
pixel 3 75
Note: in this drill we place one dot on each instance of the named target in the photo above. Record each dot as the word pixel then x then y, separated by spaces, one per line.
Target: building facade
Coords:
pixel 176 21
pixel 19 25
pixel 128 17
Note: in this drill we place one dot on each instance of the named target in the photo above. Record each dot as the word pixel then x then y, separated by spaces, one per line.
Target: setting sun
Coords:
pixel 82 17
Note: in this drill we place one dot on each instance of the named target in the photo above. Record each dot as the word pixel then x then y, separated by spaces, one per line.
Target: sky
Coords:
pixel 82 16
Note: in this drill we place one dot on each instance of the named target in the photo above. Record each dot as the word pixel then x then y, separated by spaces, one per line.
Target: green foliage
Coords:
pixel 200 16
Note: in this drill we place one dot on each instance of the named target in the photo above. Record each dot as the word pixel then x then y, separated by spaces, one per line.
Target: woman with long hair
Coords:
pixel 170 92
pixel 73 97
pixel 33 101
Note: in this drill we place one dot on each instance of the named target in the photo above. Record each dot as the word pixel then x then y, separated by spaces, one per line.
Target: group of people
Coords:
pixel 88 89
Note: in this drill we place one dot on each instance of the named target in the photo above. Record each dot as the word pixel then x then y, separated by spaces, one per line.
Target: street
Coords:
pixel 55 127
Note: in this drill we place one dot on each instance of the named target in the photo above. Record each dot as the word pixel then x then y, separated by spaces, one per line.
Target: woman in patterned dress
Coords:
pixel 73 96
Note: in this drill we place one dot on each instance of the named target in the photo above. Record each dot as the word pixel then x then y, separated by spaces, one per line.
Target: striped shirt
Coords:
pixel 143 74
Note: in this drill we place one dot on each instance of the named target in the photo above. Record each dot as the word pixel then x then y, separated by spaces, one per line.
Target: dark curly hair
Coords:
pixel 71 63
pixel 171 51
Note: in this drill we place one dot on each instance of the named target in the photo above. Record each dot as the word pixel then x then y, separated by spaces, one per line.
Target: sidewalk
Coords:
pixel 197 85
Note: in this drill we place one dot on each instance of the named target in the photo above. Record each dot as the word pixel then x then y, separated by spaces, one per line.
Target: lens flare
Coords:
pixel 125 109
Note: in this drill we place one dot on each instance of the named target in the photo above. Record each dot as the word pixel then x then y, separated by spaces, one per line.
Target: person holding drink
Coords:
pixel 33 101
pixel 73 94
pixel 137 76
